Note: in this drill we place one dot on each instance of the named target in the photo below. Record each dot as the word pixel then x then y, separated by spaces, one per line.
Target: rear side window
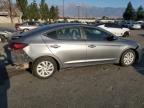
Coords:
pixel 72 33
pixel 52 35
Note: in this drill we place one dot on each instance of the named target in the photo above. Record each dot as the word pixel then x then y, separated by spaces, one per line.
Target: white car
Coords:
pixel 115 29
pixel 26 26
pixel 136 26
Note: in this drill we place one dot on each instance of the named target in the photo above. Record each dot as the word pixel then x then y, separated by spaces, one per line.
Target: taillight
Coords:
pixel 17 46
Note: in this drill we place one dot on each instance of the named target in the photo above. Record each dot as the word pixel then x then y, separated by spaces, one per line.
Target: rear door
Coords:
pixel 67 44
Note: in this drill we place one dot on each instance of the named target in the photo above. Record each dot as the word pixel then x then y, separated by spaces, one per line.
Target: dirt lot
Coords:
pixel 100 86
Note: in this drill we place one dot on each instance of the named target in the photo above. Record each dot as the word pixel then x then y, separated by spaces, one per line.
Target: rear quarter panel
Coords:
pixel 37 48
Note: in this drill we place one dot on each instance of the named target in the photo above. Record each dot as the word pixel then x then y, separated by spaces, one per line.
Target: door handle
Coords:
pixel 91 46
pixel 54 46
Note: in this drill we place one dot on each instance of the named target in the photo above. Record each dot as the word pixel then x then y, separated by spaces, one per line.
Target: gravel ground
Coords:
pixel 100 86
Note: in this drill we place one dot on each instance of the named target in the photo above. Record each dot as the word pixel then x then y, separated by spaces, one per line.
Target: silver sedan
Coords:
pixel 57 46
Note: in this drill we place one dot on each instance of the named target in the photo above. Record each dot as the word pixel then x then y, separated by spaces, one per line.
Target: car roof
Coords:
pixel 65 24
pixel 52 26
pixel 45 28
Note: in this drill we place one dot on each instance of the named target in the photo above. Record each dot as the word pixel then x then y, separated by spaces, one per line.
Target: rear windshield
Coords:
pixel 38 30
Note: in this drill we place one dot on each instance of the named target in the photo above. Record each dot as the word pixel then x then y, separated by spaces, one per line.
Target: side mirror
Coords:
pixel 111 38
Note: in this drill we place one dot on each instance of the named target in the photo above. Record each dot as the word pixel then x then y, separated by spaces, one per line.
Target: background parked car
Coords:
pixel 140 22
pixel 142 26
pixel 5 34
pixel 116 29
pixel 26 26
pixel 135 26
pixel 127 24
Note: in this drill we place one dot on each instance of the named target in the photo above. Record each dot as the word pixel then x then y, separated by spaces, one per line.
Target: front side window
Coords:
pixel 72 33
pixel 93 34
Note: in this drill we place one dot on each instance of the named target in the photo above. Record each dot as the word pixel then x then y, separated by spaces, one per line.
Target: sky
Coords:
pixel 97 3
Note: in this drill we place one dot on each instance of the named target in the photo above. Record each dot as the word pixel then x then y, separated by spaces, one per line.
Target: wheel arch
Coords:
pixel 137 55
pixel 58 62
pixel 26 29
pixel 126 33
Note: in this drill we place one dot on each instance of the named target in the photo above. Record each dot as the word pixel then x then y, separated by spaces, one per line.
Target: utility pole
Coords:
pixel 86 14
pixel 78 11
pixel 63 9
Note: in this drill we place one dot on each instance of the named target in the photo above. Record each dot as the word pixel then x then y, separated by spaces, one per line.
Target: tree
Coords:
pixel 52 9
pixel 10 10
pixel 6 5
pixel 23 7
pixel 140 13
pixel 33 11
pixel 44 10
pixel 129 13
pixel 54 13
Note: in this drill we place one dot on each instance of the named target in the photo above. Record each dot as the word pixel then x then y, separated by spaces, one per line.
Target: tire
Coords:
pixel 40 69
pixel 25 30
pixel 128 58
pixel 126 34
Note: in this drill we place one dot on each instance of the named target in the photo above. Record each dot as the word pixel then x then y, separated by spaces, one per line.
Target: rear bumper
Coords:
pixel 20 58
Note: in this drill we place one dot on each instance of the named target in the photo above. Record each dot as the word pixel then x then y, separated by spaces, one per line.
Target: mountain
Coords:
pixel 91 11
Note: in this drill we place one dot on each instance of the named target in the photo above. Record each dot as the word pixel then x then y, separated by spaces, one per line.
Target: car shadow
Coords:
pixel 141 35
pixel 139 67
pixel 4 83
pixel 5 59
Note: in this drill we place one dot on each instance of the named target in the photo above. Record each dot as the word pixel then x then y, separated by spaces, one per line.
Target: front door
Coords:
pixel 99 49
